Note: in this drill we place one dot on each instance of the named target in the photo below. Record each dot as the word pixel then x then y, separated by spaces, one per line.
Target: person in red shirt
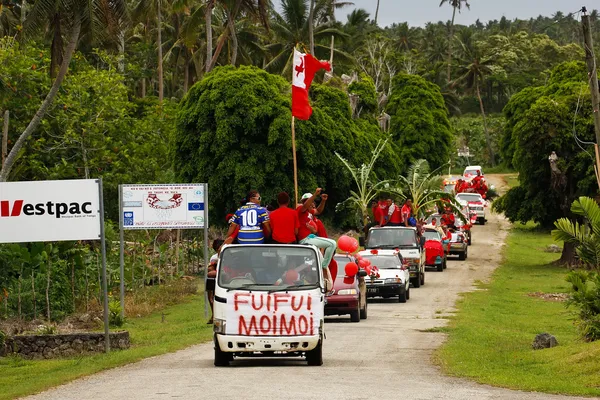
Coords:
pixel 308 229
pixel 394 214
pixel 448 219
pixel 284 221
pixel 407 212
pixel 321 231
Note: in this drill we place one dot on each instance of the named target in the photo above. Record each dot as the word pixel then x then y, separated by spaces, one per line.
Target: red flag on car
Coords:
pixel 305 68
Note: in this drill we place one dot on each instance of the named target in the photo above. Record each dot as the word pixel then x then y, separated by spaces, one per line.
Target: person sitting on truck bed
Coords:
pixel 251 219
pixel 284 222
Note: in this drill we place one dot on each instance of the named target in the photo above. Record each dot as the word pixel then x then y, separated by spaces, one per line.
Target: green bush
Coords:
pixel 115 319
pixel 585 296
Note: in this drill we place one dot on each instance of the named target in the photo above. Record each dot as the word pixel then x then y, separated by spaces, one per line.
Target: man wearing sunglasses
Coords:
pixel 251 218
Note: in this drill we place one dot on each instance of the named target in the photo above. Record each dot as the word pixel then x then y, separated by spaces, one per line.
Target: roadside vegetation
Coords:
pixel 489 339
pixel 168 330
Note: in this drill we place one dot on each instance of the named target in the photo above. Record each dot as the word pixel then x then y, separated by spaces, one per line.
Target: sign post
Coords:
pixel 168 206
pixel 206 258
pixel 104 282
pixel 47 211
pixel 122 257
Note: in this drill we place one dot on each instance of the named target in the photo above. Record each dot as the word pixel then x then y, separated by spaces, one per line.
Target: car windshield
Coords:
pixel 391 238
pixel 341 262
pixel 469 197
pixel 437 218
pixel 432 235
pixel 269 268
pixel 383 262
pixel 472 172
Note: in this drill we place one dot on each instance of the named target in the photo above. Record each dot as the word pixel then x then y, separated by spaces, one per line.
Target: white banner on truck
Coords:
pixel 43 211
pixel 163 206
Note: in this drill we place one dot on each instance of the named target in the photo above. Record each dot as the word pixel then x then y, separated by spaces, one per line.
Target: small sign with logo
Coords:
pixel 49 211
pixel 176 206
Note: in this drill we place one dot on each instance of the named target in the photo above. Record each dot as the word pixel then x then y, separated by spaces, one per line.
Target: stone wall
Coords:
pixel 36 347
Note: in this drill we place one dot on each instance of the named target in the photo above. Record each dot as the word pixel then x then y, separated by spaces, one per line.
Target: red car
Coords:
pixel 349 293
pixel 435 256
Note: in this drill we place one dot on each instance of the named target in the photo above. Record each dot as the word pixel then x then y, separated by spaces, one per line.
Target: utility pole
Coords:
pixel 590 60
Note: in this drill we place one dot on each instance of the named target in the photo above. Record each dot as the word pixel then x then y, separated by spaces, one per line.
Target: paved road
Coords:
pixel 384 357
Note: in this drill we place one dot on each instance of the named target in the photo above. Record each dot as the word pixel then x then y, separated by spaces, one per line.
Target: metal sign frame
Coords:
pixel 122 240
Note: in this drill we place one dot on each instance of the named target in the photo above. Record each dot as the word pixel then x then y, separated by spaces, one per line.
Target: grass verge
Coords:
pixel 490 337
pixel 184 325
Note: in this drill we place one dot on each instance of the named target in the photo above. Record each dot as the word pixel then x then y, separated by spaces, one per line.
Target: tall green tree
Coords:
pixel 419 125
pixel 549 149
pixel 89 14
pixel 456 6
pixel 475 67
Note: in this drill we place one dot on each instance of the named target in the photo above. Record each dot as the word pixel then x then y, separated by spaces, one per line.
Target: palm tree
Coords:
pixel 377 12
pixel 291 28
pixel 585 237
pixel 474 69
pixel 94 17
pixel 153 9
pixel 456 5
pixel 329 16
pixel 232 8
pixel 424 188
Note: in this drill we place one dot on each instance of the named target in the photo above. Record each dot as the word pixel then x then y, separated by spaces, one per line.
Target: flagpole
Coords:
pixel 295 160
pixel 294 139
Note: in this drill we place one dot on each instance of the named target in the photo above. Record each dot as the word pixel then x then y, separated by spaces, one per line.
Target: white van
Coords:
pixel 269 301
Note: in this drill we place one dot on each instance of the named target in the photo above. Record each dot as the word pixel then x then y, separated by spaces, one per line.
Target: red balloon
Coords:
pixel 351 269
pixel 333 268
pixel 368 269
pixel 363 263
pixel 291 276
pixel 347 244
pixel 358 257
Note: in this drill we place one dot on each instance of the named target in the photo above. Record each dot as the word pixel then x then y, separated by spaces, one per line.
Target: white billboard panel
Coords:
pixel 49 211
pixel 177 206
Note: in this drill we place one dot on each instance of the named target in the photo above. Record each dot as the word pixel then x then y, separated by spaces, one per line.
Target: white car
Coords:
pixel 471 171
pixel 476 203
pixel 394 276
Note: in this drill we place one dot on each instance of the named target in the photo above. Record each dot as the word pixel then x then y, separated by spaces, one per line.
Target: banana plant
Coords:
pixel 424 188
pixel 367 187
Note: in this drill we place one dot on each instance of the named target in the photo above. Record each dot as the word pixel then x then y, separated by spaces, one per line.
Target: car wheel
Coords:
pixel 440 267
pixel 402 296
pixel 445 262
pixel 355 314
pixel 408 292
pixel 463 256
pixel 222 359
pixel 470 241
pixel 416 282
pixel 363 311
pixel 422 278
pixel 482 221
pixel 315 356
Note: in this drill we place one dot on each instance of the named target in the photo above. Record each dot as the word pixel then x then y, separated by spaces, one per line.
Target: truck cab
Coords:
pixel 409 244
pixel 269 302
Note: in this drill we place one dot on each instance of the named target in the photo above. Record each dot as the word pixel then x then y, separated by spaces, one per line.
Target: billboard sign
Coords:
pixel 49 211
pixel 179 206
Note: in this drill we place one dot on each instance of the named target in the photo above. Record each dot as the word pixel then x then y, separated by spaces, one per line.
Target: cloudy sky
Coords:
pixel 421 11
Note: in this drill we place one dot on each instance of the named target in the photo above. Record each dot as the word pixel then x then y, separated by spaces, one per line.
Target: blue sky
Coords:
pixel 417 13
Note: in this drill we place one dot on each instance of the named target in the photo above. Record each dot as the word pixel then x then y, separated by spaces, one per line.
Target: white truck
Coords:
pixel 269 302
pixel 408 243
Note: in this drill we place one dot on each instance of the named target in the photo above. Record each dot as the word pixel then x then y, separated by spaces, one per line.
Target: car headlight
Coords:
pixel 347 291
pixel 393 280
pixel 219 325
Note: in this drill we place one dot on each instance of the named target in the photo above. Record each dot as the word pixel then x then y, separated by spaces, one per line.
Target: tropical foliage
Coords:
pixel 195 90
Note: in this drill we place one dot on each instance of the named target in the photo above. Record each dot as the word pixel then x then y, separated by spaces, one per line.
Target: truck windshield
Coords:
pixel 268 268
pixel 469 197
pixel 391 238
pixel 432 235
pixel 384 262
